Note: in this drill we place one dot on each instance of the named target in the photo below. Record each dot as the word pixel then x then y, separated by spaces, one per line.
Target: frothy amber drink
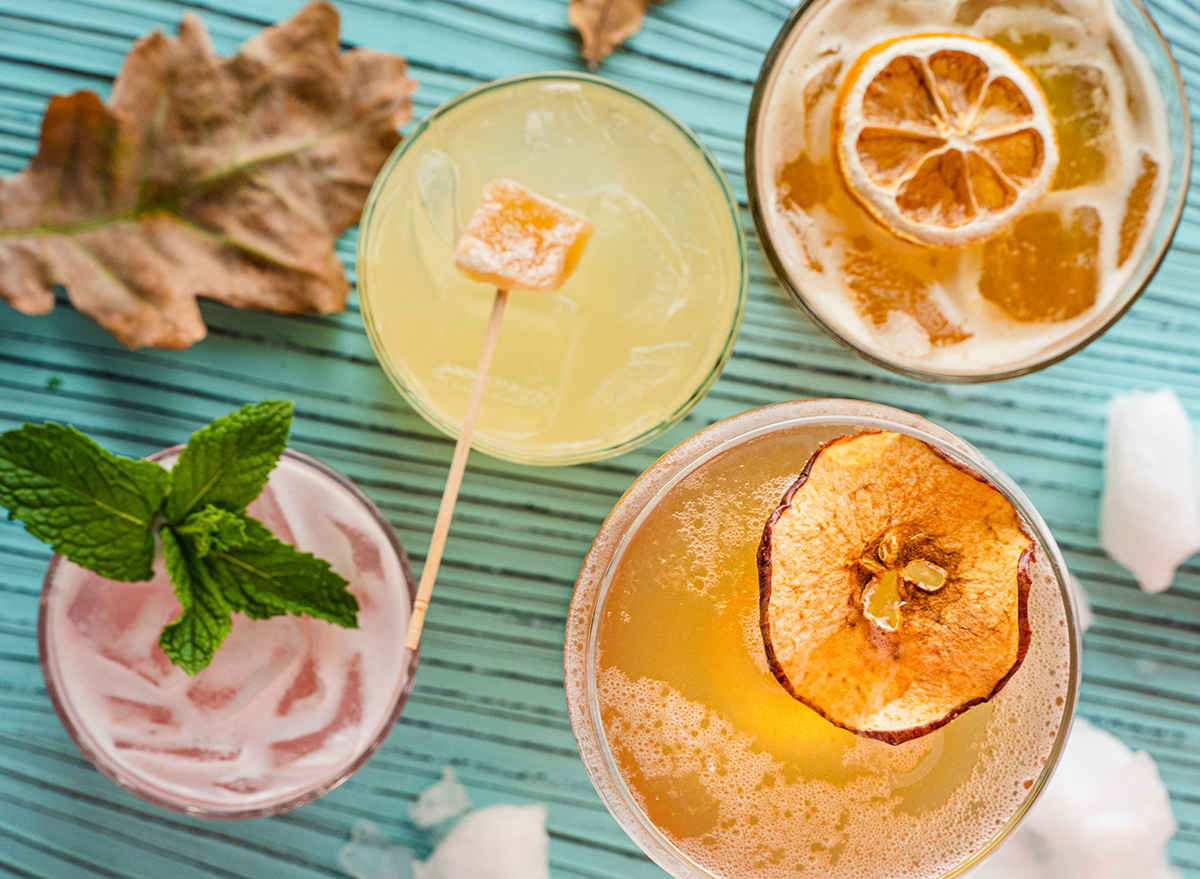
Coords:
pixel 712 766
pixel 966 189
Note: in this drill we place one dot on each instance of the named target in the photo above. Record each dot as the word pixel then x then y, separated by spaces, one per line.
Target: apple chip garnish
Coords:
pixel 893 587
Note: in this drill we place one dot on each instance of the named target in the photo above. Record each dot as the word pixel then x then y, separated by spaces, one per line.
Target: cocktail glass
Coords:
pixel 703 759
pixel 636 336
pixel 906 307
pixel 290 706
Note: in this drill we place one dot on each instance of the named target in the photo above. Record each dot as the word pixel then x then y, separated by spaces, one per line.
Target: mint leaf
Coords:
pixel 96 509
pixel 211 527
pixel 222 562
pixel 226 464
pixel 273 574
pixel 190 640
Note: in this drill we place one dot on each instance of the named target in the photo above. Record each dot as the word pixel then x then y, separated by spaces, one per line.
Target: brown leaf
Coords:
pixel 228 178
pixel 605 24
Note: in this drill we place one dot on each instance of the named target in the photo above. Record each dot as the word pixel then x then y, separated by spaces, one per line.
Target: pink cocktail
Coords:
pixel 289 707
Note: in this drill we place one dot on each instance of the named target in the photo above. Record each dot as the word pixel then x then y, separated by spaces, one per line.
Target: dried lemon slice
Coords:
pixel 893 587
pixel 945 138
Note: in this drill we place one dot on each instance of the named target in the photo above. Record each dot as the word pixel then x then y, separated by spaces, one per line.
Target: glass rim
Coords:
pixel 78 731
pixel 587 601
pixel 450 429
pixel 1132 290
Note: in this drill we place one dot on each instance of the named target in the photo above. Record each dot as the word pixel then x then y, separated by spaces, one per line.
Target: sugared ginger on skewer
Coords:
pixel 517 240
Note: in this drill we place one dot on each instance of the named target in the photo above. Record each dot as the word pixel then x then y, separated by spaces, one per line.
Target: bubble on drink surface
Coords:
pixel 499 842
pixel 1150 508
pixel 442 800
pixel 371 855
pixel 1104 815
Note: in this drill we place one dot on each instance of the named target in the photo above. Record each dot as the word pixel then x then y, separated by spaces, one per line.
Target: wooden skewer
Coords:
pixel 458 464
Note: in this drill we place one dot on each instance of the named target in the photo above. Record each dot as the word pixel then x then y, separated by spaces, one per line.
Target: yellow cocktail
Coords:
pixel 630 342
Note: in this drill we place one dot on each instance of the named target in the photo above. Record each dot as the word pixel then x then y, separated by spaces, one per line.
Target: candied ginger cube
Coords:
pixel 518 240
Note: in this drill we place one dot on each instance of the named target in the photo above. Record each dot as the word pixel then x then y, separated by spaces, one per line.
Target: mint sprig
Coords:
pixel 103 512
pixel 96 509
pixel 226 464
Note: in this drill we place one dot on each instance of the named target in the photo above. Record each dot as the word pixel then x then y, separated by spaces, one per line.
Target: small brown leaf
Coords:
pixel 605 24
pixel 227 178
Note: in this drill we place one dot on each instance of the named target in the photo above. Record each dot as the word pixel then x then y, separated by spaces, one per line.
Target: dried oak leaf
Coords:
pixel 228 178
pixel 605 24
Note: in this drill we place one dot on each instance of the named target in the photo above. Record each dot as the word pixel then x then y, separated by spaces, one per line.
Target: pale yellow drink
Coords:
pixel 635 336
pixel 732 772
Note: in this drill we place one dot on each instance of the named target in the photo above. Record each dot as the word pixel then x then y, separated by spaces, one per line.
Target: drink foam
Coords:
pixel 821 235
pixel 715 781
pixel 771 821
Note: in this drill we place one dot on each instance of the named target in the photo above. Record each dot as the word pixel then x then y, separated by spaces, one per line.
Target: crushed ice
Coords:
pixel 446 799
pixel 498 842
pixel 1150 511
pixel 371 855
pixel 1104 815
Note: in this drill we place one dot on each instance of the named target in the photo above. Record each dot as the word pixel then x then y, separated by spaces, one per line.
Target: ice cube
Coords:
pixel 1150 510
pixel 371 855
pixel 348 716
pixel 367 559
pixel 443 800
pixel 499 842
pixel 138 714
pixel 256 654
pixel 627 395
pixel 437 186
pixel 122 620
pixel 1104 815
pixel 1081 103
pixel 305 685
pixel 651 261
pixel 267 510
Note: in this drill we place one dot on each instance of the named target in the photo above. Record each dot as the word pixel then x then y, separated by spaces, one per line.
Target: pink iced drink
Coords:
pixel 288 708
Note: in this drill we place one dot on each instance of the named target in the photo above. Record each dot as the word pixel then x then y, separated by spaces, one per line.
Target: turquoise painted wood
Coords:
pixel 489 695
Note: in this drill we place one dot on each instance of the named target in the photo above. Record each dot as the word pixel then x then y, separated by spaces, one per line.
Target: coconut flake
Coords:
pixel 499 842
pixel 1104 815
pixel 1150 512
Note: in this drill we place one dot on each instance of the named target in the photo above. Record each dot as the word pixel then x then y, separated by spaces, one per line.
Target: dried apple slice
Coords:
pixel 893 587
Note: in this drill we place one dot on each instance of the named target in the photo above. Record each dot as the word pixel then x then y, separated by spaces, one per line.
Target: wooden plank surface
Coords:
pixel 489 695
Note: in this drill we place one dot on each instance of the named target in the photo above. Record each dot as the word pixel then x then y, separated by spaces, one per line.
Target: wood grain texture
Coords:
pixel 489 695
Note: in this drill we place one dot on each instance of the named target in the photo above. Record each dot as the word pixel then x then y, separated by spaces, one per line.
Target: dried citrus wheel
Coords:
pixel 944 138
pixel 893 587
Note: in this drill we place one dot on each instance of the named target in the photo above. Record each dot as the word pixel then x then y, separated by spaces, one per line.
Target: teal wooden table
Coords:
pixel 489 697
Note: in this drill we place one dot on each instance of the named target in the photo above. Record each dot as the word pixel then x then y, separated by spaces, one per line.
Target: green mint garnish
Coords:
pixel 212 527
pixel 102 512
pixel 96 509
pixel 226 464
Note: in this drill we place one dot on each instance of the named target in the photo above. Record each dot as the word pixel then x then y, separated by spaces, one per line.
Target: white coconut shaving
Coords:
pixel 1104 815
pixel 1150 511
